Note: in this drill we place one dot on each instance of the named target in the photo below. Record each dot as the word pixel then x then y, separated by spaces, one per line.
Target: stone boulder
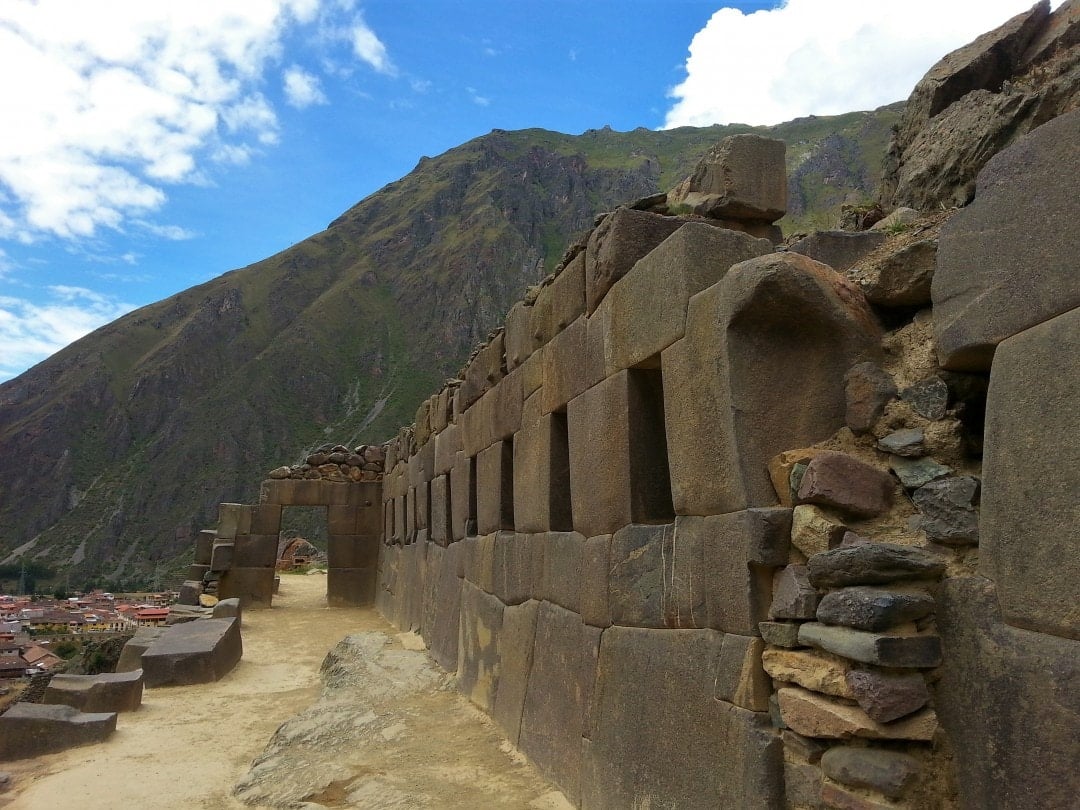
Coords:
pixel 1008 262
pixel 33 729
pixel 131 655
pixel 107 692
pixel 743 177
pixel 196 652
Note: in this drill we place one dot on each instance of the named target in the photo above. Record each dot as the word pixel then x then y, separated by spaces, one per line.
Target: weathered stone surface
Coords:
pixel 817 671
pixel 659 732
pixel 918 651
pixel 872 564
pixel 462 496
pixel 907 442
pixel 1009 700
pixel 815 715
pixel 504 410
pixel 743 178
pixel 902 278
pixel 874 609
pixel 221 557
pixel 916 472
pixel 540 321
pixel 616 244
pixel 228 609
pixel 495 488
pixel 618 454
pixel 447 445
pixel 867 390
pixel 1021 218
pixel 131 655
pixel 839 249
pixel 515 663
pixel 836 797
pixel 814 530
pixel 33 729
pixel 928 166
pixel 568 293
pixel 793 595
pixel 887 696
pixel 928 398
pixel 888 772
pixel 441 508
pixel 648 306
pixel 740 679
pixel 1031 474
pixel 565 375
pixel 802 786
pixel 947 510
pixel 780 634
pixel 511 572
pixel 191 589
pixel 486 368
pixel 253 586
pixel 518 341
pixel 352 551
pixel 442 630
pixel 801 747
pixel 784 313
pixel 846 483
pixel 478 646
pixel 107 692
pixel 595 573
pixel 564 563
pixel 195 652
pixel 636 584
pixel 542 476
pixel 266 519
pixel 554 699
pixel 348 587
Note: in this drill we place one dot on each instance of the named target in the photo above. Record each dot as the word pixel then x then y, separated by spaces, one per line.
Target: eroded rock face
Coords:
pixel 979 99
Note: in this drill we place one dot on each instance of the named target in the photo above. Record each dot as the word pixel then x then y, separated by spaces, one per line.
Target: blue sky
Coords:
pixel 149 147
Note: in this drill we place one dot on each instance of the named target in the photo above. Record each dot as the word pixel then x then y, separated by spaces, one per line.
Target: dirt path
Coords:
pixel 189 746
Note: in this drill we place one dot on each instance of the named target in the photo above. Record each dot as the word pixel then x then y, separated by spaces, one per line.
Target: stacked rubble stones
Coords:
pixel 337 463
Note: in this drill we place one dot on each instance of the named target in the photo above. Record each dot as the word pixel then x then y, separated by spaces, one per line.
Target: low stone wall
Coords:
pixel 697 531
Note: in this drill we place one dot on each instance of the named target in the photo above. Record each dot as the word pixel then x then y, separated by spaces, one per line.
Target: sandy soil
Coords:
pixel 189 746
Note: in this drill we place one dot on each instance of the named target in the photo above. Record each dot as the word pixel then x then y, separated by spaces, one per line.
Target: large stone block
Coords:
pixel 542 476
pixel 617 243
pixel 204 546
pixel 505 409
pixel 1031 476
pixel 294 492
pixel 442 637
pixel 595 574
pixel 221 556
pixel 554 699
pixel 648 306
pixel 515 663
pixel 495 488
pixel 519 342
pixel 511 569
pixel 254 587
pixel 486 368
pixel 266 519
pixel 233 519
pixel 565 375
pixel 1007 262
pixel 773 325
pixel 255 551
pixel 447 445
pixel 839 249
pixel 107 692
pixel 1009 699
pixel 541 323
pixel 193 652
pixel 352 550
pixel 740 551
pixel 564 562
pixel 743 178
pixel 33 729
pixel 618 453
pixel 478 646
pixel 568 293
pixel 661 739
pixel 347 587
pixel 131 654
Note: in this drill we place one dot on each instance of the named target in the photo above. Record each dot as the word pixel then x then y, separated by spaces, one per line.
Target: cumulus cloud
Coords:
pixel 112 108
pixel 821 57
pixel 31 331
pixel 368 47
pixel 302 89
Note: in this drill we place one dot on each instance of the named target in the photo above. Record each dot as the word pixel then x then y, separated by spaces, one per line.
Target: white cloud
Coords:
pixel 113 107
pixel 479 100
pixel 368 47
pixel 30 332
pixel 173 233
pixel 822 57
pixel 302 89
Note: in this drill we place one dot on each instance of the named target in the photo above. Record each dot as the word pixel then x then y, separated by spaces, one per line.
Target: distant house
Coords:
pixel 37 656
pixel 151 616
pixel 12 665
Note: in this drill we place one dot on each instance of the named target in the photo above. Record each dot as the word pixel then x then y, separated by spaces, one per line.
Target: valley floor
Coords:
pixel 392 747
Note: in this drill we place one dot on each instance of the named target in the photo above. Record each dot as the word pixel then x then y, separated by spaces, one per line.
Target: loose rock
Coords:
pixel 887 772
pixel 793 595
pixel 888 696
pixel 917 652
pixel 840 480
pixel 916 472
pixel 947 508
pixel 873 609
pixel 872 564
pixel 907 443
pixel 928 398
pixel 867 390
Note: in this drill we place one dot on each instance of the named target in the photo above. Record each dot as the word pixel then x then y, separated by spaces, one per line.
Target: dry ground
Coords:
pixel 189 746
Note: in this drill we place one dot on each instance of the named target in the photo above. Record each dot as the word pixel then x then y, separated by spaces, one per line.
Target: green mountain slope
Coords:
pixel 114 451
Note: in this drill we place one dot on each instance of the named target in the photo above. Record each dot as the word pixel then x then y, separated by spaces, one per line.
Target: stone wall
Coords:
pixel 700 527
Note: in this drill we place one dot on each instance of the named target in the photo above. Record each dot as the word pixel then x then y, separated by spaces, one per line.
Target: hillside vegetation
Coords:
pixel 117 449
